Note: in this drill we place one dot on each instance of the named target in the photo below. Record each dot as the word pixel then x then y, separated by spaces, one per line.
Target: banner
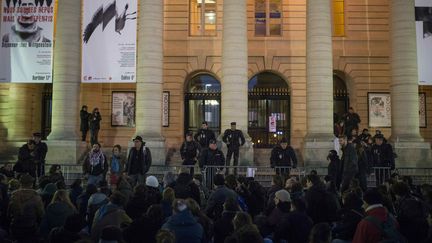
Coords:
pixel 423 16
pixel 27 28
pixel 109 35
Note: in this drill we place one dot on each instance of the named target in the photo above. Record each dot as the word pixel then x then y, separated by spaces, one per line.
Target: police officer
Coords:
pixel 40 151
pixel 204 135
pixel 382 156
pixel 283 155
pixel 211 157
pixel 233 138
pixel 189 151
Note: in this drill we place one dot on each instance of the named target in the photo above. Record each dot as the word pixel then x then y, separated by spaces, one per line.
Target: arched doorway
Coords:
pixel 202 102
pixel 269 109
pixel 340 98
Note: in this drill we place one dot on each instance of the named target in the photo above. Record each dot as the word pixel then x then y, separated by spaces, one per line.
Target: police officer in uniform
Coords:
pixel 283 155
pixel 382 156
pixel 233 138
pixel 40 151
pixel 189 151
pixel 204 135
pixel 211 157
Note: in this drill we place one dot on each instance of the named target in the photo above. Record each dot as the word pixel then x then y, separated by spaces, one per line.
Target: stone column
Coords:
pixel 63 142
pixel 150 78
pixel 20 113
pixel 235 71
pixel 319 59
pixel 409 145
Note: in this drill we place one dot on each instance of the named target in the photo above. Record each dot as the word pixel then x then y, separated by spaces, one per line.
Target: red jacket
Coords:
pixel 366 231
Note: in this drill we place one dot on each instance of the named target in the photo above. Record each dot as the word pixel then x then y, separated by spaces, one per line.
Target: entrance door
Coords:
pixel 202 103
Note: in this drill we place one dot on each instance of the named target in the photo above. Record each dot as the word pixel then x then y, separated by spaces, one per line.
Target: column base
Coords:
pixel 66 152
pixel 316 148
pixel 157 148
pixel 413 154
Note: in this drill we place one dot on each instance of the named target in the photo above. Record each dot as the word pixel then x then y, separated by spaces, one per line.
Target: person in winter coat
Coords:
pixel 116 165
pixel 294 226
pixel 283 155
pixel 111 214
pixel 276 185
pixel 55 174
pixel 349 161
pixel 209 158
pixel 350 215
pixel 84 122
pixel 168 197
pixel 95 165
pixel 186 188
pixel 202 219
pixel 145 228
pixel 282 207
pixel 368 230
pixel 218 197
pixel 82 200
pixel 144 196
pixel 189 152
pixel 233 138
pixel 204 135
pixel 95 119
pixel 26 159
pixel 224 226
pixel 69 232
pixel 75 191
pixel 124 186
pixel 40 152
pixel 351 120
pixel 185 227
pixel 139 161
pixel 25 210
pixel 57 211
pixel 382 156
pixel 322 206
pixel 334 169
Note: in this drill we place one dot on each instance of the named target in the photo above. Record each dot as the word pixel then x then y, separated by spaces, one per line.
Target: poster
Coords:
pixel 109 36
pixel 422 110
pixel 123 109
pixel 379 109
pixel 272 124
pixel 27 28
pixel 423 16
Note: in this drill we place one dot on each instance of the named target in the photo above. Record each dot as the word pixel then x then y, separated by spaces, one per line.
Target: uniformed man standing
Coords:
pixel 382 157
pixel 189 152
pixel 233 138
pixel 283 156
pixel 204 135
pixel 210 158
pixel 41 150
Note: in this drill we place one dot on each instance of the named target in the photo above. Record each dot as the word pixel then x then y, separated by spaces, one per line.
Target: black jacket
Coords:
pixel 98 169
pixel 350 160
pixel 143 229
pixel 26 161
pixel 346 227
pixel 283 157
pixel 139 203
pixel 294 228
pixel 233 139
pixel 211 157
pixel 144 158
pixel 352 120
pixel 224 226
pixel 383 155
pixel 334 170
pixel 203 137
pixel 322 206
pixel 218 198
pixel 189 152
pixel 95 119
pixel 41 149
pixel 186 188
pixel 84 117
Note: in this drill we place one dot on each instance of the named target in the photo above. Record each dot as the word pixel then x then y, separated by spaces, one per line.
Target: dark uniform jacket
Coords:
pixel 84 116
pixel 350 160
pixel 211 157
pixel 41 149
pixel 95 119
pixel 97 169
pixel 189 152
pixel 283 157
pixel 352 120
pixel 26 161
pixel 232 138
pixel 203 137
pixel 383 156
pixel 144 157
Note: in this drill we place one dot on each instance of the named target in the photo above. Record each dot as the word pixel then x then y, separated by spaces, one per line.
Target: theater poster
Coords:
pixel 423 15
pixel 109 37
pixel 27 32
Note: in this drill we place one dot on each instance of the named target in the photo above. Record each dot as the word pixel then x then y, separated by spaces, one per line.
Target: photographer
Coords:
pixel 95 119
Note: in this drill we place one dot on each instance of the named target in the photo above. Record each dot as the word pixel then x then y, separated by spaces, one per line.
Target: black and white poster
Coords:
pixel 109 36
pixel 27 32
pixel 123 109
pixel 423 15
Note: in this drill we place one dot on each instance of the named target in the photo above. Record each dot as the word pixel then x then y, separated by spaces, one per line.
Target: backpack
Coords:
pixel 389 232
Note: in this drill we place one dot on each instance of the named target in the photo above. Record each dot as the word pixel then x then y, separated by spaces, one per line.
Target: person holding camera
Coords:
pixel 95 119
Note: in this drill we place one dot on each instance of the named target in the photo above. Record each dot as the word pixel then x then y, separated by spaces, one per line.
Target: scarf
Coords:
pixel 115 164
pixel 96 158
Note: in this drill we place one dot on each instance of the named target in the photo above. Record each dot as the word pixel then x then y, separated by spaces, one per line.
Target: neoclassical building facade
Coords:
pixel 279 68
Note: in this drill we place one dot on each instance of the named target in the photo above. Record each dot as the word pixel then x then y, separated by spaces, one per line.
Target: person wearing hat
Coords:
pixel 209 158
pixel 204 135
pixel 139 161
pixel 282 202
pixel 84 124
pixel 383 157
pixel 283 155
pixel 41 149
pixel 233 138
pixel 189 152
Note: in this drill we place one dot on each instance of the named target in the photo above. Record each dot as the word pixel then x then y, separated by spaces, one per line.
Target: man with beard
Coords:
pixel 95 165
pixel 204 135
pixel 139 161
pixel 209 158
pixel 189 151
pixel 41 149
pixel 283 155
pixel 25 28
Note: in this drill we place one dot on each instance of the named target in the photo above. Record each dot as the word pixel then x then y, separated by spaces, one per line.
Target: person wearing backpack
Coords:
pixel 379 225
pixel 411 213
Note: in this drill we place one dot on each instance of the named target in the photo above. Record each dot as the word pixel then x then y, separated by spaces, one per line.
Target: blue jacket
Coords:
pixel 185 227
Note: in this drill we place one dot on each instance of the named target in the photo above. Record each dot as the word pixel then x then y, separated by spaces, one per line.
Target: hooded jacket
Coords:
pixel 55 216
pixel 185 227
pixel 25 208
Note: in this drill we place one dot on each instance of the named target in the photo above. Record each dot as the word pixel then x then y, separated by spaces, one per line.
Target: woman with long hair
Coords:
pixel 57 211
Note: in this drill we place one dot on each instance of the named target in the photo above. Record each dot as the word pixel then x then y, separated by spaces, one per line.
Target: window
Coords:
pixel 268 17
pixel 202 17
pixel 338 18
